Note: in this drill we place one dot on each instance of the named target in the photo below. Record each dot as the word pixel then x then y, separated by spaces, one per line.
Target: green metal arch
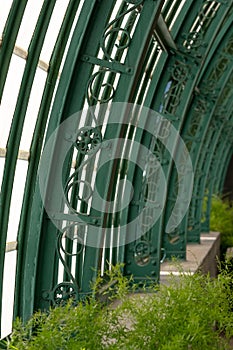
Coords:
pixel 214 122
pixel 176 61
pixel 192 62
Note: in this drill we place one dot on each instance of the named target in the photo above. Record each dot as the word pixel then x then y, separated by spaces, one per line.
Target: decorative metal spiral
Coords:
pixel 87 139
pixel 63 293
pixel 142 253
pixel 75 232
pixel 112 29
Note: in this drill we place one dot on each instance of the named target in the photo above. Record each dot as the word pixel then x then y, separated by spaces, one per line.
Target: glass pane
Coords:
pixel 32 109
pixel 17 198
pixel 53 29
pixel 5 6
pixel 9 98
pixel 2 162
pixel 28 24
pixel 8 293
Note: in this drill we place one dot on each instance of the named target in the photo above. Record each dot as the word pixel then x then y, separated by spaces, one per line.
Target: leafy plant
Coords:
pixel 192 312
pixel 221 220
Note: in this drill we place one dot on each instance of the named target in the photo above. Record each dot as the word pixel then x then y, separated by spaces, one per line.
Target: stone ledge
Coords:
pixel 203 256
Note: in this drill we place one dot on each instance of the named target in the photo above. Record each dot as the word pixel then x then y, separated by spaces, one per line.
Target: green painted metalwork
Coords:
pixel 225 168
pixel 170 58
pixel 221 70
pixel 35 150
pixel 9 37
pixel 224 152
pixel 18 119
pixel 208 173
pixel 45 277
pixel 93 256
pixel 187 71
pixel 200 135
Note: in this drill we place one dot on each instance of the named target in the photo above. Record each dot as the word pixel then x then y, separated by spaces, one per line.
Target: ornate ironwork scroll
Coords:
pixel 205 102
pixel 194 40
pixel 120 34
pixel 87 142
pixel 180 72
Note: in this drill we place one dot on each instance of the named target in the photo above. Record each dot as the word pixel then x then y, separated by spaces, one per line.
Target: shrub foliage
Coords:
pixel 192 312
pixel 221 220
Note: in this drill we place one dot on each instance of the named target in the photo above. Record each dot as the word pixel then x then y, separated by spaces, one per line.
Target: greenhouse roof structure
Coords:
pixel 116 128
